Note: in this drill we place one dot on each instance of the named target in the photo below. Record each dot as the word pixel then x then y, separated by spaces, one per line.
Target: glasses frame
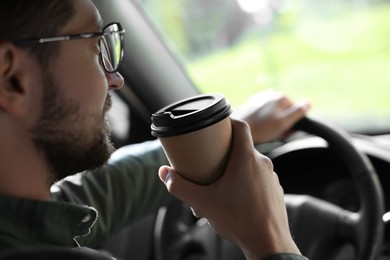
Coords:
pixel 82 36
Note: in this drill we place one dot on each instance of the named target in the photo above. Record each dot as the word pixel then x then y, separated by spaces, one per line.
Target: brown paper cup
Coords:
pixel 200 156
pixel 196 135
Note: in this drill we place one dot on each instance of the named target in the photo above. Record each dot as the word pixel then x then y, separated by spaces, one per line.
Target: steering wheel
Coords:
pixel 319 226
pixel 179 235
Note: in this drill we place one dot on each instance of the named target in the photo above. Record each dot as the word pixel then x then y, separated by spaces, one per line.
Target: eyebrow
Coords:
pixel 95 21
pixel 100 23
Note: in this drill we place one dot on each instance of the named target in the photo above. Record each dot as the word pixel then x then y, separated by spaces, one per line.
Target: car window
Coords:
pixel 335 53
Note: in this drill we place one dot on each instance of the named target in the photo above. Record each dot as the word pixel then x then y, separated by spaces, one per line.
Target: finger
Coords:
pixel 295 112
pixel 283 101
pixel 182 188
pixel 242 147
pixel 241 133
pixel 164 174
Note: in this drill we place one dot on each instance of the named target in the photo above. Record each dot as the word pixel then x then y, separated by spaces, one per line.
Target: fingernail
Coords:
pixel 305 104
pixel 168 180
pixel 166 176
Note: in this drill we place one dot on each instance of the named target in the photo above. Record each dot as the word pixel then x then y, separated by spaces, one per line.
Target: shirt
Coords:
pixel 88 207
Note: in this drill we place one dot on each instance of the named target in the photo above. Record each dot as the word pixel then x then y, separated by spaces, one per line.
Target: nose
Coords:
pixel 115 80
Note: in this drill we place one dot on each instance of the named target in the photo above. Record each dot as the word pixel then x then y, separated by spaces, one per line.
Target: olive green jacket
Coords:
pixel 88 207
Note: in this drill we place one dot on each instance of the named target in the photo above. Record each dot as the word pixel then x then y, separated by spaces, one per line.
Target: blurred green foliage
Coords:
pixel 335 53
pixel 342 64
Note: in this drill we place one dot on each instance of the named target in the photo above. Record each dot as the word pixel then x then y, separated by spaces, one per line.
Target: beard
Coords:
pixel 71 141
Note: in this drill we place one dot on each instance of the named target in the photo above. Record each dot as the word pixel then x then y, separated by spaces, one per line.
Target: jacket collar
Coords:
pixel 32 222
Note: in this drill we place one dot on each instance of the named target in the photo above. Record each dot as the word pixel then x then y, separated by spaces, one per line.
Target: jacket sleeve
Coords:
pixel 124 190
pixel 285 256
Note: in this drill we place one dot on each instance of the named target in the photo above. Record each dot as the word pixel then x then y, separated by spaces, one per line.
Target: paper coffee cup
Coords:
pixel 196 135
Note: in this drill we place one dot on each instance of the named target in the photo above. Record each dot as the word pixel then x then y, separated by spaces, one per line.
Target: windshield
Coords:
pixel 335 53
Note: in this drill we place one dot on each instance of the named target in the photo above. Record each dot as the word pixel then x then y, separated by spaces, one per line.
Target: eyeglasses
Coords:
pixel 110 44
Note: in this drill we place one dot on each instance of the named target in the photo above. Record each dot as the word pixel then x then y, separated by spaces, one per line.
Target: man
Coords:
pixel 56 70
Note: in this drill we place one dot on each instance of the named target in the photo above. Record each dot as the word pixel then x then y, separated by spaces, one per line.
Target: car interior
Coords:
pixel 334 169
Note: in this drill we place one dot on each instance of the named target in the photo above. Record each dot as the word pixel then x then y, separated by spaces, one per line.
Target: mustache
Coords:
pixel 107 103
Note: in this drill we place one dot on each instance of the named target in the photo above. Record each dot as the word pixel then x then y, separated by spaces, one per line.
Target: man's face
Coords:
pixel 71 140
pixel 72 131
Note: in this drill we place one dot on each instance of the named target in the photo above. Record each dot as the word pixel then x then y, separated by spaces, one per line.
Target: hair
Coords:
pixel 23 19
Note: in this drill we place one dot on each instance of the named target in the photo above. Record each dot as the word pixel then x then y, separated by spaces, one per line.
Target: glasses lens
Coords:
pixel 111 47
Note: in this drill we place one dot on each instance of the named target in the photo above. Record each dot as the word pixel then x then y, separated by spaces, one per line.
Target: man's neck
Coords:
pixel 23 172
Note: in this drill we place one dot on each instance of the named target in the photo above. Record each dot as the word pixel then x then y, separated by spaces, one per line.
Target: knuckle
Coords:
pixel 267 163
pixel 242 125
pixel 282 99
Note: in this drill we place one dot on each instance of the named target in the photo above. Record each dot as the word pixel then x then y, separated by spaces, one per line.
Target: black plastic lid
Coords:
pixel 189 115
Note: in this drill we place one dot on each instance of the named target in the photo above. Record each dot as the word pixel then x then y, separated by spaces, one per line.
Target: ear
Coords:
pixel 13 80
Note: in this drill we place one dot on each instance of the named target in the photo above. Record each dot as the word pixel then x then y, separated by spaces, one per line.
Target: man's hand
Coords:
pixel 246 205
pixel 270 115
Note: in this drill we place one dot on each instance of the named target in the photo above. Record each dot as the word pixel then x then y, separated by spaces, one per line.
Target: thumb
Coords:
pixel 181 188
pixel 165 175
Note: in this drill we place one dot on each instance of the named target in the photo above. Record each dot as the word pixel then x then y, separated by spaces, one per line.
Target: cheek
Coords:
pixel 33 108
pixel 82 77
